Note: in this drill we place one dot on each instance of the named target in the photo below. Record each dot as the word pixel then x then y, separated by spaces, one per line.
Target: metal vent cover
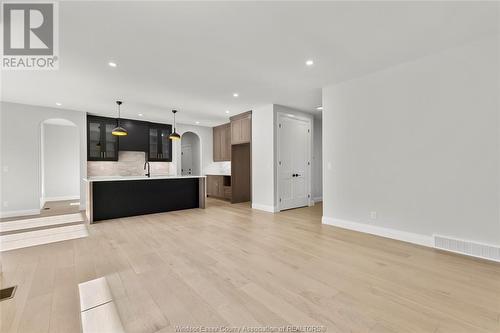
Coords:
pixel 474 249
pixel 7 293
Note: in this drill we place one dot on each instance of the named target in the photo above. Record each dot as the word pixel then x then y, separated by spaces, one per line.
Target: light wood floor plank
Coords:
pixel 229 265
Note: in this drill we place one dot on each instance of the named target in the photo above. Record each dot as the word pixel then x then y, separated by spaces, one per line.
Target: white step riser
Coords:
pixel 44 236
pixel 40 222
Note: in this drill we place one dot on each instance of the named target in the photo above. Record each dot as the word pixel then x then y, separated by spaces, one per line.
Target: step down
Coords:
pixel 38 222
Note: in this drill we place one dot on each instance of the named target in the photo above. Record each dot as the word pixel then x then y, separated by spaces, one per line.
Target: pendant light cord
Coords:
pixel 119 112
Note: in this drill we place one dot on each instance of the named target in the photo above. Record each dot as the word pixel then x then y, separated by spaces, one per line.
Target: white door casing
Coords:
pixel 294 161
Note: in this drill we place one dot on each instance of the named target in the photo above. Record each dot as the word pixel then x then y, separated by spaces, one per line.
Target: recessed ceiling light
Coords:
pixel 58 104
pixel 309 62
pixel 112 64
pixel 227 111
pixel 319 108
pixel 236 95
pixel 197 122
pixel 140 115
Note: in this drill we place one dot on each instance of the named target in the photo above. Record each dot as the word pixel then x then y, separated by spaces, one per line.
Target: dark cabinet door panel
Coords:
pixel 160 145
pixel 137 138
pixel 116 199
pixel 151 138
pixel 101 144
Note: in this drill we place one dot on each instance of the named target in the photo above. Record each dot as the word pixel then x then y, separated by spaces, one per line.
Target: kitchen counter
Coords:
pixel 111 197
pixel 119 178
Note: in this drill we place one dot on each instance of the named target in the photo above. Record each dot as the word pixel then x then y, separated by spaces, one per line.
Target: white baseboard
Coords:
pixel 265 208
pixel 460 246
pixel 63 198
pixel 15 213
pixel 380 231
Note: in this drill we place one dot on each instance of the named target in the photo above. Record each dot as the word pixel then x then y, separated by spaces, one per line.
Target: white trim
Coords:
pixel 15 213
pixel 265 208
pixel 38 222
pixel 44 236
pixel 63 198
pixel 296 117
pixel 381 231
pixel 419 239
pixel 98 310
pixel 94 293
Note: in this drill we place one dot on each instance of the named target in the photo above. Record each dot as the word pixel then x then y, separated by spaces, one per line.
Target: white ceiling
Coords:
pixel 193 55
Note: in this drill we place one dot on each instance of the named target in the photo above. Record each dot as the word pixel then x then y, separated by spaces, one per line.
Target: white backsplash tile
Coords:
pixel 218 168
pixel 130 163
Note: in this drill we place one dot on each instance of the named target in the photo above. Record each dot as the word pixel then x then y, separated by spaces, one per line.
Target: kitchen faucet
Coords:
pixel 149 171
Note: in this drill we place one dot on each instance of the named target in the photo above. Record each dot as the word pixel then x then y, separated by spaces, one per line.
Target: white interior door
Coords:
pixel 293 162
pixel 186 160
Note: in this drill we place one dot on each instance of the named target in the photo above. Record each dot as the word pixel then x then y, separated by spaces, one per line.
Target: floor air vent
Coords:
pixel 7 293
pixel 479 250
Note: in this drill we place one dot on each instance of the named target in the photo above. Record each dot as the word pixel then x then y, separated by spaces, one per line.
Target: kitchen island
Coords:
pixel 122 196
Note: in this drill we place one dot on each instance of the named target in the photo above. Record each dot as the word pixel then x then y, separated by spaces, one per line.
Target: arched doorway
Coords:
pixel 59 166
pixel 190 154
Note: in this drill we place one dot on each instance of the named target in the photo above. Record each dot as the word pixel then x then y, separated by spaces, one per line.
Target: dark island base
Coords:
pixel 115 199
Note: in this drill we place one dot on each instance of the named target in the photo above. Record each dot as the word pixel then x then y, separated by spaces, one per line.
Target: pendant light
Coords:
pixel 118 130
pixel 174 136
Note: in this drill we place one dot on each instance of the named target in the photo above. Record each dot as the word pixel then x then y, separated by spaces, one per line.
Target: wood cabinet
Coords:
pixel 101 144
pixel 222 143
pixel 160 145
pixel 241 128
pixel 219 186
pixel 241 148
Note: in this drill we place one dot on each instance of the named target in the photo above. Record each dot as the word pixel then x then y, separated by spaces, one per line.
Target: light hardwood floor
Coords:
pixel 230 265
pixel 51 208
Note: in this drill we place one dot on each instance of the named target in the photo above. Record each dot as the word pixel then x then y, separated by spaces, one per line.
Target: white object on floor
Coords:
pixel 98 311
pixel 44 236
pixel 94 293
pixel 40 222
pixel 102 319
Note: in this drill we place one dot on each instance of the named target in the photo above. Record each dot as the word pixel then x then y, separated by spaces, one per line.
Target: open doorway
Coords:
pixel 190 154
pixel 60 167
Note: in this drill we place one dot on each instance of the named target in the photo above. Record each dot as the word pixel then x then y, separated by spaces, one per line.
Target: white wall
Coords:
pixel 206 144
pixel 419 144
pixel 264 152
pixel 263 158
pixel 20 146
pixel 61 162
pixel 317 160
pixel 191 139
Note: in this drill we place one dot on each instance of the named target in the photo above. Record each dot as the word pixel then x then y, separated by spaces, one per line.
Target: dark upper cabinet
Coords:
pixel 101 144
pixel 160 146
pixel 151 138
pixel 137 138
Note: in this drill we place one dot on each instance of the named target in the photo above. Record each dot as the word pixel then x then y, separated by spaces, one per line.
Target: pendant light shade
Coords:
pixel 174 136
pixel 118 130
